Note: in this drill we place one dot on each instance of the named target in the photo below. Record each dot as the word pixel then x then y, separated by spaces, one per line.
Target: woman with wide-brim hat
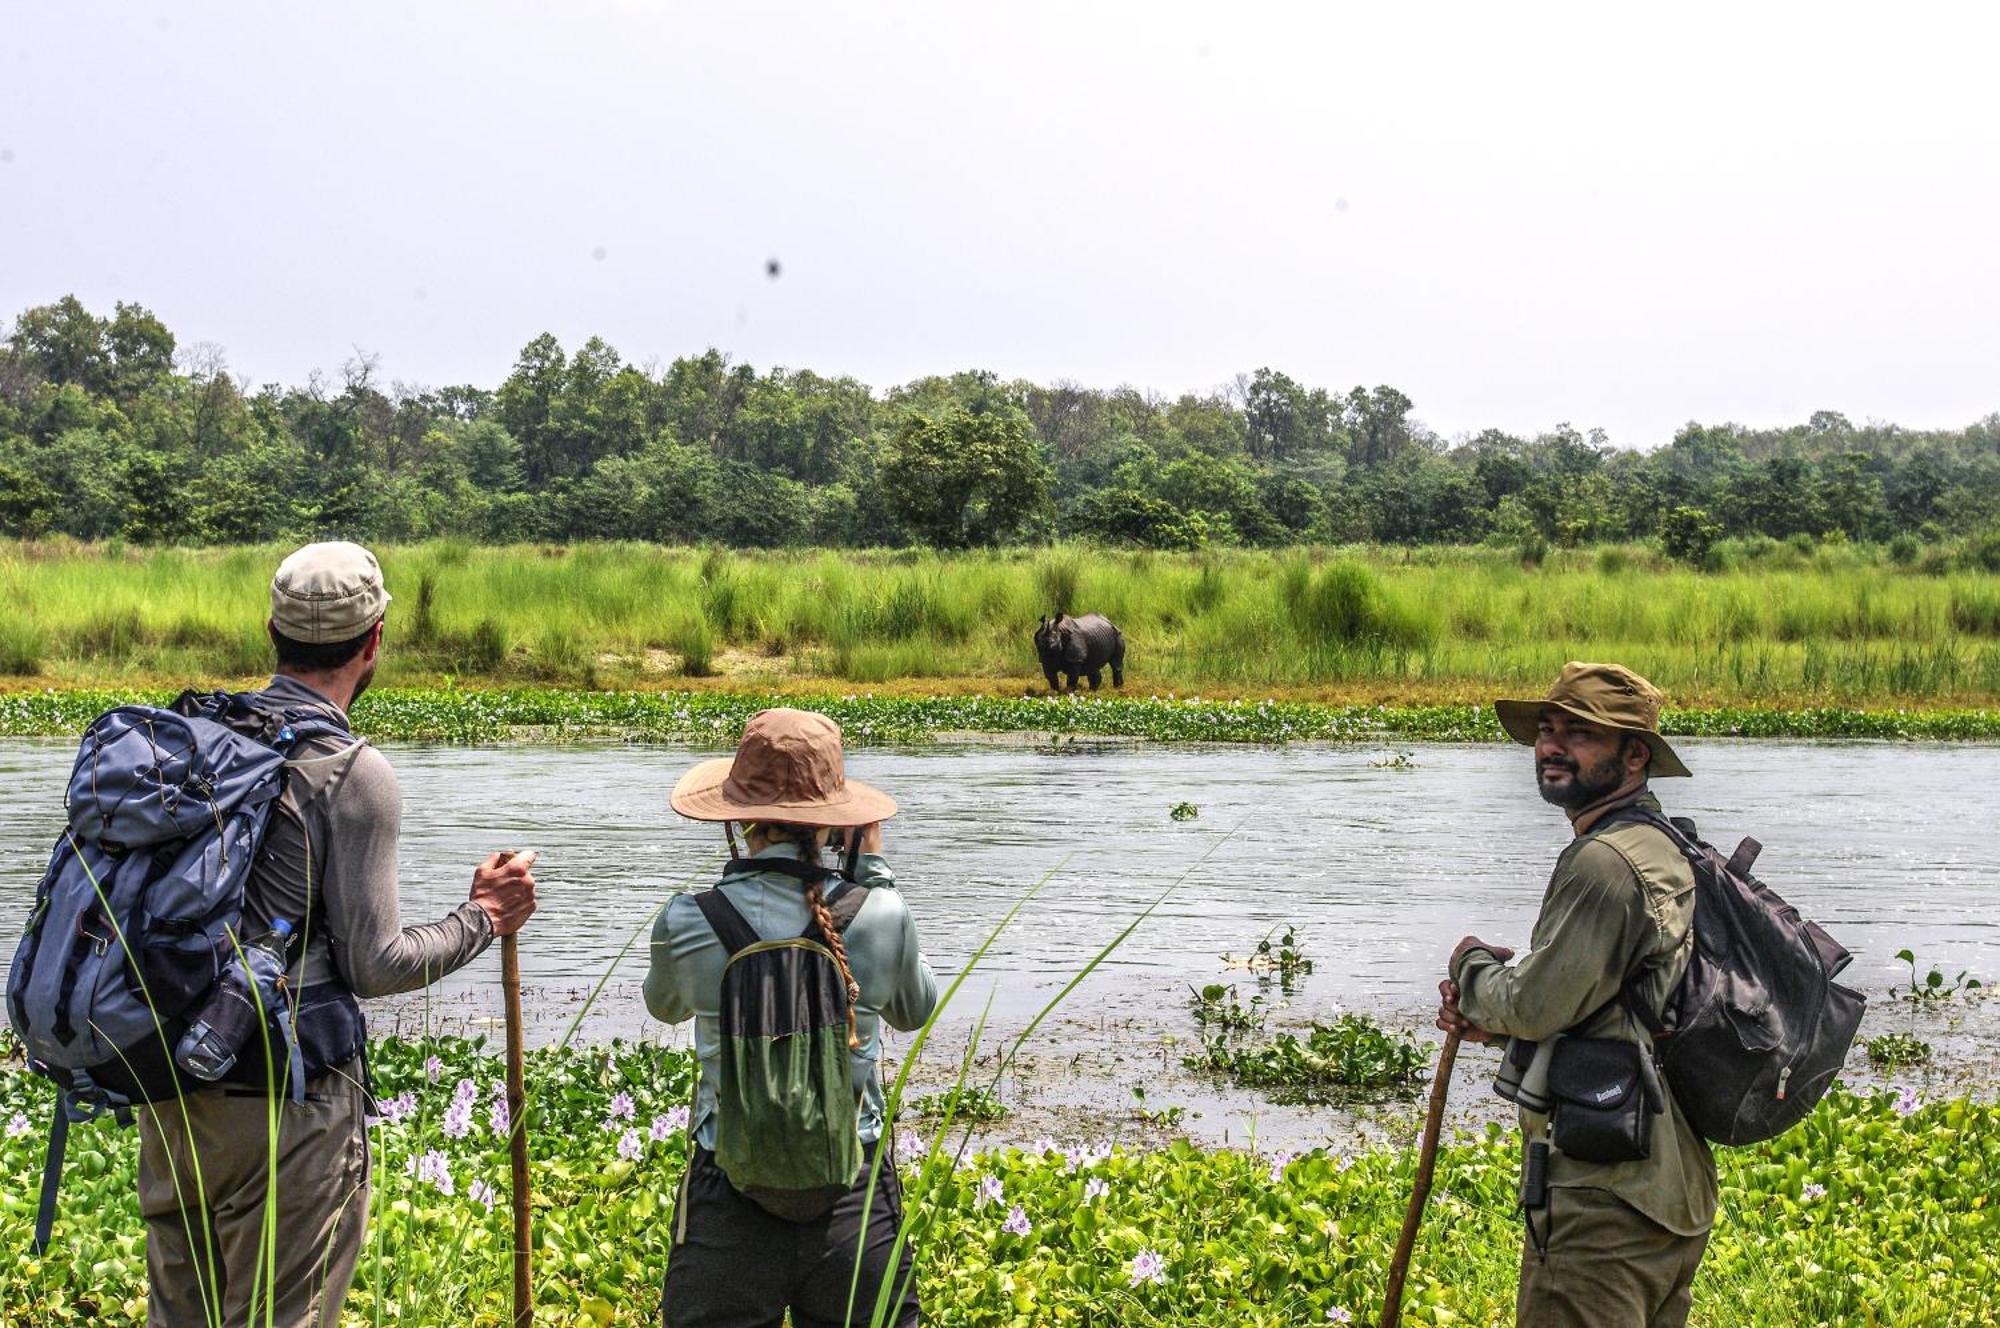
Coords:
pixel 735 1261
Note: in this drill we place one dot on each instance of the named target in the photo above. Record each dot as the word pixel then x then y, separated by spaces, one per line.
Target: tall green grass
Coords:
pixel 1846 625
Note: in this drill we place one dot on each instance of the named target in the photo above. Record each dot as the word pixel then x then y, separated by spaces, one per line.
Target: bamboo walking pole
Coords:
pixel 1420 1193
pixel 517 1123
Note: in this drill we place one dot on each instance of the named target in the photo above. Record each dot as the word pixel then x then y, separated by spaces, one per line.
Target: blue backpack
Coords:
pixel 137 921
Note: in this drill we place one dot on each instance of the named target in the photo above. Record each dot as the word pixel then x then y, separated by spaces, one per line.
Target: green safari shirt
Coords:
pixel 1621 901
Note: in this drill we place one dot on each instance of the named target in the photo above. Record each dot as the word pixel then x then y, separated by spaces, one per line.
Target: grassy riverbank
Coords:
pixel 1878 1210
pixel 478 715
pixel 1777 626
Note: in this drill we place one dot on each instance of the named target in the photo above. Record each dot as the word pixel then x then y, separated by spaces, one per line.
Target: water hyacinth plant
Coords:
pixel 1932 988
pixel 1893 1191
pixel 973 1105
pixel 1893 1051
pixel 1351 1059
pixel 481 715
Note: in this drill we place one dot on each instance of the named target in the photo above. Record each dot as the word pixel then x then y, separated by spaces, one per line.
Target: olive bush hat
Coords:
pixel 1607 694
pixel 787 769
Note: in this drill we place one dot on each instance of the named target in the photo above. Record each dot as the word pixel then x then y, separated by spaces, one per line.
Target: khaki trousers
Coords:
pixel 1608 1266
pixel 207 1258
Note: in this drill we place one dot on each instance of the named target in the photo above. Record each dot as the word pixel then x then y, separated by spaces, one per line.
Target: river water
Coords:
pixel 1381 865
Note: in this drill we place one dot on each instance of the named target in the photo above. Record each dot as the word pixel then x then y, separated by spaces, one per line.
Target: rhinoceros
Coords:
pixel 1080 648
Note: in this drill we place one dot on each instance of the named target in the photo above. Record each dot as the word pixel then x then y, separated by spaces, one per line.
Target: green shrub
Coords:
pixel 1346 604
pixel 189 632
pixel 248 651
pixel 1209 587
pixel 558 654
pixel 1903 549
pixel 21 647
pixel 910 609
pixel 1059 578
pixel 1975 609
pixel 1984 552
pixel 423 627
pixel 723 603
pixel 111 634
pixel 483 650
pixel 694 642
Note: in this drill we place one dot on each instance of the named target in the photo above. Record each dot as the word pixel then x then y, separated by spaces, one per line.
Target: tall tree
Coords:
pixel 960 479
pixel 527 401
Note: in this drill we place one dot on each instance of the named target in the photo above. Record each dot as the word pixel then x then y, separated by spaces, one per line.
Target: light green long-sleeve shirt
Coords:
pixel 1621 901
pixel 684 980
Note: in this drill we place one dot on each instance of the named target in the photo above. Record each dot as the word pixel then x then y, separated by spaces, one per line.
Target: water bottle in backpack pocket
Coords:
pixel 251 992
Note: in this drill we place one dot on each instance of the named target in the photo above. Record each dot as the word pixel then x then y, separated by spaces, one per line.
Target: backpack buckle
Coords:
pixel 99 944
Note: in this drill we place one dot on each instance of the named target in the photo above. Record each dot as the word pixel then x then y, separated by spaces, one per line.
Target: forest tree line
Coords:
pixel 111 429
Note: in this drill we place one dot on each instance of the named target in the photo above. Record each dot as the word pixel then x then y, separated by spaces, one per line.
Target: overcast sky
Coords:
pixel 1614 215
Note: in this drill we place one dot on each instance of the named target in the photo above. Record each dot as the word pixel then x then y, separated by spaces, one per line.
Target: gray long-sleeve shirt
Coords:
pixel 684 980
pixel 328 867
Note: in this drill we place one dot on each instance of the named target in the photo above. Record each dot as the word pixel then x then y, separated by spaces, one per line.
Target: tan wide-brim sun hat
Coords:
pixel 1610 695
pixel 788 770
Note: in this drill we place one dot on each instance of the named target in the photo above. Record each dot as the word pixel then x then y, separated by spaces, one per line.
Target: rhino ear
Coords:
pixel 1045 620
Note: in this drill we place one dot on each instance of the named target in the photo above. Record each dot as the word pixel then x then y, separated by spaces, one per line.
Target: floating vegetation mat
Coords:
pixel 476 715
pixel 1878 1210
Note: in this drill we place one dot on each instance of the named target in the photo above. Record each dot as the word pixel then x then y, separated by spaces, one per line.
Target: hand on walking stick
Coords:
pixel 504 886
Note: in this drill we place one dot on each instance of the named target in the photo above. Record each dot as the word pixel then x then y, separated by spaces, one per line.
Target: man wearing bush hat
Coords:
pixel 1610 1243
pixel 327 866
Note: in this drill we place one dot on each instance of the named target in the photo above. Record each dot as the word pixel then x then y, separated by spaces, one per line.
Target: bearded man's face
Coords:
pixel 1577 763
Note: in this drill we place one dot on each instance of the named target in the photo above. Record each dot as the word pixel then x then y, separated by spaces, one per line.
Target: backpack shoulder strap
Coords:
pixel 52 1165
pixel 1681 833
pixel 254 714
pixel 729 925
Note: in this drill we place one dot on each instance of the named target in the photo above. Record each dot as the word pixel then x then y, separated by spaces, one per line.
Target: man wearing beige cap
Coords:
pixel 1618 1200
pixel 327 869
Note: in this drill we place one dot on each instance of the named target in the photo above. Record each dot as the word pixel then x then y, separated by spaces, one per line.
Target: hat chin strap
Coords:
pixel 729 833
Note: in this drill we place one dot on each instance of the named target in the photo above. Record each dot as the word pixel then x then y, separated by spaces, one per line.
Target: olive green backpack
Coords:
pixel 787 1108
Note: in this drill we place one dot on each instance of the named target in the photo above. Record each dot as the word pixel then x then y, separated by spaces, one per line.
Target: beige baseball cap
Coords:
pixel 327 592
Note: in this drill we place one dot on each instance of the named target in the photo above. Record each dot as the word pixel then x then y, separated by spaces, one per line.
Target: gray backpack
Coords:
pixel 1756 1030
pixel 136 921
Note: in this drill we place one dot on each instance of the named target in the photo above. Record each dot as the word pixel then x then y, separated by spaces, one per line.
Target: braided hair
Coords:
pixel 806 838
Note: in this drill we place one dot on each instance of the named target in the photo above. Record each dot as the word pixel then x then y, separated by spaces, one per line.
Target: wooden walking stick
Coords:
pixel 1420 1193
pixel 517 1119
